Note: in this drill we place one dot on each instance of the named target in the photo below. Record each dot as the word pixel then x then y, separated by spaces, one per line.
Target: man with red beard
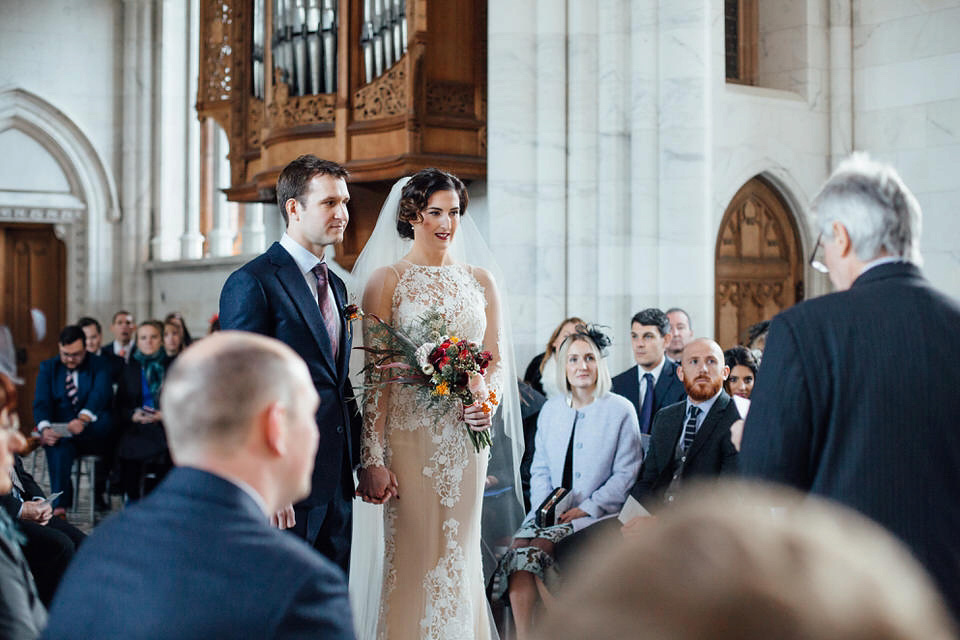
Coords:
pixel 690 438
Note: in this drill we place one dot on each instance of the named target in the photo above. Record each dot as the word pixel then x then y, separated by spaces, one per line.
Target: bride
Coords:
pixel 422 466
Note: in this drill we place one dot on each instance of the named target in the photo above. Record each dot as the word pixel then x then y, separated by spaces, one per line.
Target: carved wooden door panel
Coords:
pixel 32 263
pixel 759 264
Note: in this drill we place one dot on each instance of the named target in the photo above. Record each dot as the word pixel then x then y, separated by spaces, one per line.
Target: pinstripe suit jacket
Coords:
pixel 858 399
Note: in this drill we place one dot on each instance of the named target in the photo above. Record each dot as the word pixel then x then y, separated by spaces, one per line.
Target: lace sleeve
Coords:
pixel 377 299
pixel 493 336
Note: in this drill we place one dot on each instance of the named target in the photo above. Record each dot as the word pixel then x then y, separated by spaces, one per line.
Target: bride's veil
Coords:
pixel 503 502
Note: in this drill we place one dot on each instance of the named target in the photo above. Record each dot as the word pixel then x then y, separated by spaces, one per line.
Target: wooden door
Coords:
pixel 759 261
pixel 32 270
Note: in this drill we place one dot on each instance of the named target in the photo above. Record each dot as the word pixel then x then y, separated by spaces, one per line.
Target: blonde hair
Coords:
pixel 604 382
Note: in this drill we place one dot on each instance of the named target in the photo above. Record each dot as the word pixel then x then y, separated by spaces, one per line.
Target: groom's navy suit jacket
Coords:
pixel 197 558
pixel 268 295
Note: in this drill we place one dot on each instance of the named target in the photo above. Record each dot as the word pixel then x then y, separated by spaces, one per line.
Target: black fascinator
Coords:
pixel 598 337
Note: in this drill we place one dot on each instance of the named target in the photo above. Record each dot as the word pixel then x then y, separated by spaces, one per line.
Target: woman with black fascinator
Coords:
pixel 588 444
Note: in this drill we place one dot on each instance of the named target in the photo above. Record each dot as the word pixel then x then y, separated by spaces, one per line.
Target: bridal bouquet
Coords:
pixel 442 366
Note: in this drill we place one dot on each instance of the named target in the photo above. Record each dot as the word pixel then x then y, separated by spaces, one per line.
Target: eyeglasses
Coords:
pixel 817 264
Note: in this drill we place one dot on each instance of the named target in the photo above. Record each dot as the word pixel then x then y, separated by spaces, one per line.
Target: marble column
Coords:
pixel 220 239
pixel 253 234
pixel 136 167
pixel 191 242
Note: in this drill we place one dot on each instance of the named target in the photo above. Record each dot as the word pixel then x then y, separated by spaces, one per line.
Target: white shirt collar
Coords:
pixel 879 261
pixel 655 372
pixel 250 491
pixel 305 260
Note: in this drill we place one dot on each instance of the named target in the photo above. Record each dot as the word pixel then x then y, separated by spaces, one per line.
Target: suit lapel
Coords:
pixel 710 424
pixel 633 389
pixel 288 273
pixel 340 297
pixel 668 375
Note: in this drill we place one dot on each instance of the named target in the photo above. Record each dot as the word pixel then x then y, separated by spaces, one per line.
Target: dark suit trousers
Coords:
pixel 329 527
pixel 48 551
pixel 60 457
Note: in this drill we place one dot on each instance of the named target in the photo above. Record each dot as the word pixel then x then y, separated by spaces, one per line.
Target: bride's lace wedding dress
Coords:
pixel 433 582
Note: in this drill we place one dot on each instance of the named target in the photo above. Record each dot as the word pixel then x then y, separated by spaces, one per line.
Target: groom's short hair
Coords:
pixel 295 178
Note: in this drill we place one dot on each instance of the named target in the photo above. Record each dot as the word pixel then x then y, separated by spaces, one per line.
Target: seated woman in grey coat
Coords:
pixel 588 441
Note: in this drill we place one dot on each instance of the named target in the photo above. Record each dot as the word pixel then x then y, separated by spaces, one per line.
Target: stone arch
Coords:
pixel 77 216
pixel 759 269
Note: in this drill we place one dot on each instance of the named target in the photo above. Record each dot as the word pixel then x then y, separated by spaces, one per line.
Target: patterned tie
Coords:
pixel 646 409
pixel 72 390
pixel 327 309
pixel 690 429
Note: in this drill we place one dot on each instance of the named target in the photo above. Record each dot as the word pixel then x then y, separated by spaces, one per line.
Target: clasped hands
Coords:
pixel 377 484
pixel 38 511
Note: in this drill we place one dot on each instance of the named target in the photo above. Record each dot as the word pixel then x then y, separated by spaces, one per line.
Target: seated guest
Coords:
pixel 198 558
pixel 118 351
pixel 50 542
pixel 75 390
pixel 141 436
pixel 692 438
pixel 653 383
pixel 681 332
pixel 176 318
pixel 22 614
pixel 587 442
pixel 757 337
pixel 722 566
pixel 172 339
pixel 542 370
pixel 743 371
pixel 93 334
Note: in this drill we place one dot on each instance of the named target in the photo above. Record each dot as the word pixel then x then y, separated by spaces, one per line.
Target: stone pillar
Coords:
pixel 221 237
pixel 191 242
pixel 253 234
pixel 136 166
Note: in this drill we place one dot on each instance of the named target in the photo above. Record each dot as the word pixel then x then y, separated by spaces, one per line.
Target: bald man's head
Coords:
pixel 215 390
pixel 702 369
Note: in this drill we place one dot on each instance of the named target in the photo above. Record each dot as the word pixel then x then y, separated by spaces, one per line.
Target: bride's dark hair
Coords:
pixel 416 193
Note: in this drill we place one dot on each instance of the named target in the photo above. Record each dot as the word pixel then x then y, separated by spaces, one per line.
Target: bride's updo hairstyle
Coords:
pixel 416 193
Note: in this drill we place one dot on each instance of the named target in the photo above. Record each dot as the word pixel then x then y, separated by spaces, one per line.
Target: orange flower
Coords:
pixel 493 398
pixel 441 389
pixel 485 408
pixel 454 339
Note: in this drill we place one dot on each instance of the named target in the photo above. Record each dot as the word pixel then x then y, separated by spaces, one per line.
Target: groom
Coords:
pixel 289 293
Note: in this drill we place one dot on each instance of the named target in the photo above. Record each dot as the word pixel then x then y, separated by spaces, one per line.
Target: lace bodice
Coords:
pixel 452 290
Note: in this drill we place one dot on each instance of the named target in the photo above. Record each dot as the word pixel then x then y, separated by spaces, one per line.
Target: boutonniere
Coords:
pixel 351 312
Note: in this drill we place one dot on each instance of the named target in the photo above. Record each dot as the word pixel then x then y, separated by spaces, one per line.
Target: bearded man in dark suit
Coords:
pixel 856 397
pixel 690 439
pixel 289 293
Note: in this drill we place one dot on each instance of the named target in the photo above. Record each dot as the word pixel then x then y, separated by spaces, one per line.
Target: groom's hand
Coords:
pixel 377 485
pixel 285 518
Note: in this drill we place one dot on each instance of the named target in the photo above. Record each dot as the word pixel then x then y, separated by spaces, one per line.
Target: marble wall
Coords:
pixel 615 137
pixel 906 102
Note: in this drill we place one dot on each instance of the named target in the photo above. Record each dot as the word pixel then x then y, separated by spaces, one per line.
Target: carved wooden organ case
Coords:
pixel 385 87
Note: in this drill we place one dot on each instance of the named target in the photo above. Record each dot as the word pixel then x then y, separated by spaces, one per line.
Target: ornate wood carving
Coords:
pixel 385 96
pixel 254 123
pixel 758 261
pixel 450 99
pixel 217 66
pixel 289 111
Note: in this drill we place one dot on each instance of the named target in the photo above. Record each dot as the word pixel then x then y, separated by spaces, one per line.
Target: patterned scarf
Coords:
pixel 153 369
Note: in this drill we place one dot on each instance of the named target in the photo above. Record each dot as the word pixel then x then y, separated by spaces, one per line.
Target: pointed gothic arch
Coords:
pixel 759 261
pixel 76 216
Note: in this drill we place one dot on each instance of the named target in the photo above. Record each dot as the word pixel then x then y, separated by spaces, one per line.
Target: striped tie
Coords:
pixel 72 391
pixel 327 309
pixel 690 429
